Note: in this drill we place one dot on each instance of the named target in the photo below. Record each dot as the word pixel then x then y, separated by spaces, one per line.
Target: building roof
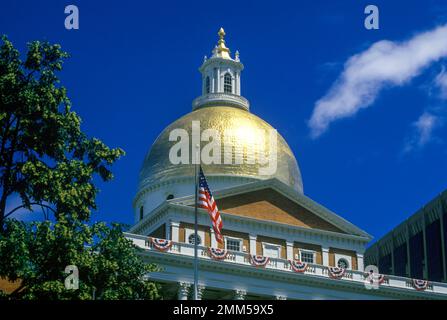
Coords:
pixel 414 224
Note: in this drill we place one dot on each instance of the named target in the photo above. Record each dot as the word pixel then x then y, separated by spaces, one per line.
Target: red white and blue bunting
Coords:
pixel 381 278
pixel 420 285
pixel 336 272
pixel 161 244
pixel 298 266
pixel 218 254
pixel 375 278
pixel 259 261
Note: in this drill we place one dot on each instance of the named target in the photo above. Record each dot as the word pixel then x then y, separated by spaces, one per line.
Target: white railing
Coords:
pixel 243 258
pixel 219 97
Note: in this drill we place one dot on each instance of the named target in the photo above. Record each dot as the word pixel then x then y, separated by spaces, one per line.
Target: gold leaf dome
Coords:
pixel 157 167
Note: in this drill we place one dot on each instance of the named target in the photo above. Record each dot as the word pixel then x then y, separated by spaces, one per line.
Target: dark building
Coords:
pixel 417 247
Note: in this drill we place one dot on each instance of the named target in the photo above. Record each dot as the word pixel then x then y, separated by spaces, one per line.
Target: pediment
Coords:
pixel 269 204
pixel 272 200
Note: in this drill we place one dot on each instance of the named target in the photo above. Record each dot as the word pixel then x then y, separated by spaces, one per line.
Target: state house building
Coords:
pixel 278 242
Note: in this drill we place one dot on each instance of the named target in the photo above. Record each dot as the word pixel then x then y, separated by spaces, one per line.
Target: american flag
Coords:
pixel 206 201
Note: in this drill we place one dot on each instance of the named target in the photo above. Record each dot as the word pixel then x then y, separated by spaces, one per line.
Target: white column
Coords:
pixel 238 83
pixel 239 294
pixel 360 264
pixel 289 252
pixel 252 244
pixel 203 84
pixel 168 231
pixel 175 231
pixel 183 290
pixel 200 291
pixel 213 239
pixel 218 81
pixel 325 251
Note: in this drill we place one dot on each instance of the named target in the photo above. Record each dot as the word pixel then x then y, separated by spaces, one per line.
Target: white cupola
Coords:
pixel 221 78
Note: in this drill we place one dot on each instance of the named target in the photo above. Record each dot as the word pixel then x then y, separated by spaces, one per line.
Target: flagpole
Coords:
pixel 196 262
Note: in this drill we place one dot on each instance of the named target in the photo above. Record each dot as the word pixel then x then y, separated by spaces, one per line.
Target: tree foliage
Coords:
pixel 45 158
pixel 36 255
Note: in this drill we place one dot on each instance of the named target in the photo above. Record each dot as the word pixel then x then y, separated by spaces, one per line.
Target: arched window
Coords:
pixel 207 85
pixel 343 263
pixel 192 239
pixel 228 87
pixel 141 212
pixel 170 197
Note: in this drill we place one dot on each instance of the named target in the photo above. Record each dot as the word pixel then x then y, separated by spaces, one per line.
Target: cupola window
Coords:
pixel 141 212
pixel 207 85
pixel 228 87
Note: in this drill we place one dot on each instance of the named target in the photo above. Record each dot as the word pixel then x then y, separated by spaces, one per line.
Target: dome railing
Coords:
pixel 221 99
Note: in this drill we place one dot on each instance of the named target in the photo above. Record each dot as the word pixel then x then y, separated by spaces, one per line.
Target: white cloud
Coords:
pixel 441 83
pixel 423 131
pixel 385 63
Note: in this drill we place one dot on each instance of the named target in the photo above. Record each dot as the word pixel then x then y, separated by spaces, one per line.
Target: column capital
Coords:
pixel 239 294
pixel 174 223
pixel 253 236
pixel 200 291
pixel 183 290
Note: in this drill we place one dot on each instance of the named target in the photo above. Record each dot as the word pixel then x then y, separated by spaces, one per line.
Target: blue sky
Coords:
pixel 133 70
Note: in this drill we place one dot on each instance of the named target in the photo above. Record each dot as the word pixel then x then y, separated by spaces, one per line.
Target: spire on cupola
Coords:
pixel 221 78
pixel 221 50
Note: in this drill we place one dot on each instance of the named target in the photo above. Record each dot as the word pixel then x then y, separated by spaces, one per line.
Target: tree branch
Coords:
pixel 32 203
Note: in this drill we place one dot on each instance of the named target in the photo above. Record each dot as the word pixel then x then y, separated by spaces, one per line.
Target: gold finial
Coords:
pixel 221 34
pixel 221 50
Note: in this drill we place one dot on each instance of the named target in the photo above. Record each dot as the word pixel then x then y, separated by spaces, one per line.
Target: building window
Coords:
pixel 271 250
pixel 141 213
pixel 207 85
pixel 307 256
pixel 228 87
pixel 191 239
pixel 233 244
pixel 343 263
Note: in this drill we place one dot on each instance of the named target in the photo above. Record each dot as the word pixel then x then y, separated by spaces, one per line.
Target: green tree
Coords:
pixel 36 255
pixel 45 158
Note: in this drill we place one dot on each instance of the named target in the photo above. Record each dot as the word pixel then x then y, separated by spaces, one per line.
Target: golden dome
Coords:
pixel 157 166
